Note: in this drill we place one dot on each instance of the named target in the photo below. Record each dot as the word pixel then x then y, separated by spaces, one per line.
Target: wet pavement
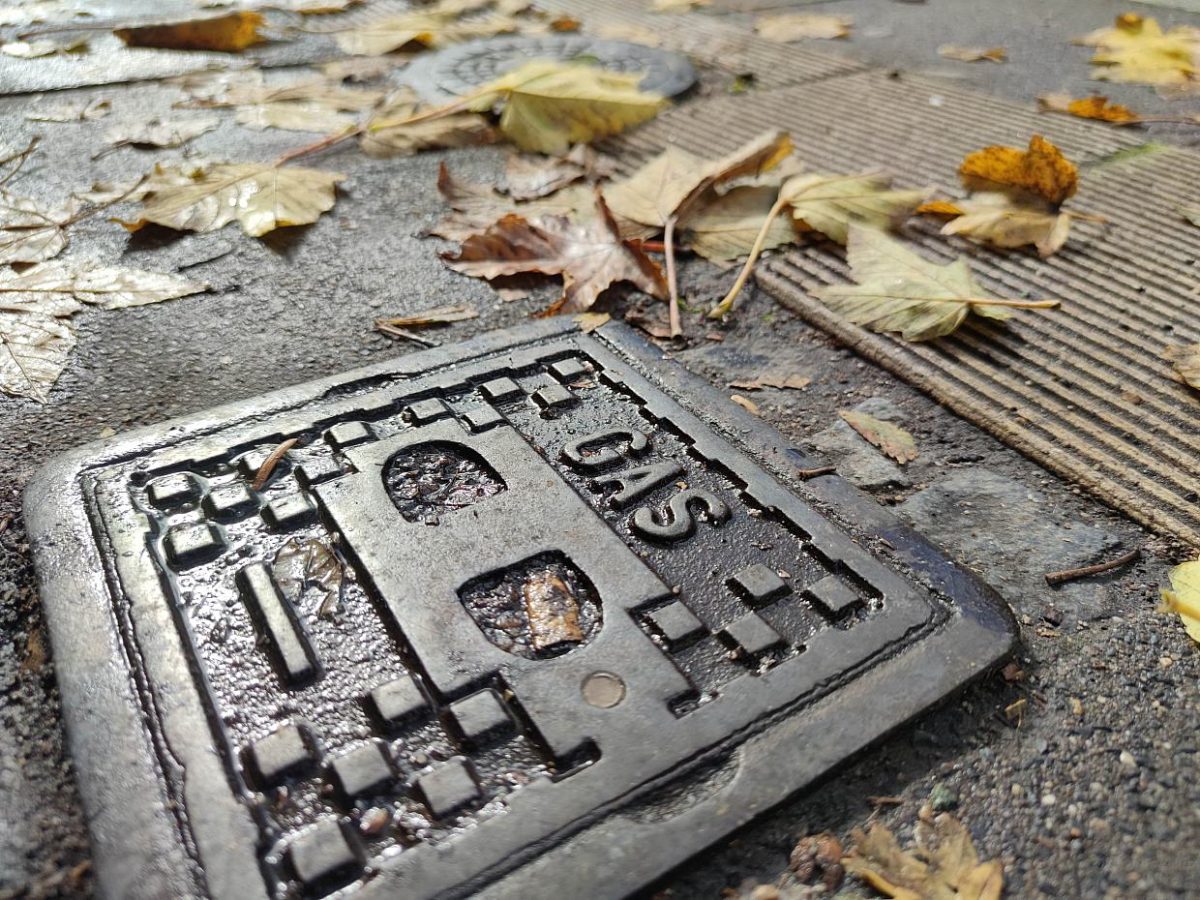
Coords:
pixel 1089 794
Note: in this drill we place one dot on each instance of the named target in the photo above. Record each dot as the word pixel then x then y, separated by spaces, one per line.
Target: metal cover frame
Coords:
pixel 123 764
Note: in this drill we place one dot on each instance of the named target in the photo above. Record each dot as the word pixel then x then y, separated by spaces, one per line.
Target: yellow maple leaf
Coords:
pixel 1041 170
pixel 1183 597
pixel 1094 107
pixel 1136 49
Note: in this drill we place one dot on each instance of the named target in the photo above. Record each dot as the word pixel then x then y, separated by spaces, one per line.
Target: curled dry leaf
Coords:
pixel 260 196
pixel 230 33
pixel 831 203
pixel 80 111
pixel 528 177
pixel 772 380
pixel 1186 360
pixel 973 54
pixel 1094 107
pixel 1137 50
pixel 34 349
pixel 943 865
pixel 312 564
pixel 591 256
pixel 787 27
pixel 1041 170
pixel 476 206
pixel 898 290
pixel 745 403
pixel 890 438
pixel 1183 597
pixel 994 219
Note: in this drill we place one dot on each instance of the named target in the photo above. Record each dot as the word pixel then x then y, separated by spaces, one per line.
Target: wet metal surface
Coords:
pixel 457 643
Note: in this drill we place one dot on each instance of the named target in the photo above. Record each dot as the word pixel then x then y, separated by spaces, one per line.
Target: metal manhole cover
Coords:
pixel 445 74
pixel 503 611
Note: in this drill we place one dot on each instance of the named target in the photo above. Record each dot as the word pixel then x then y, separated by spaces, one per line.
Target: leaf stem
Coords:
pixel 326 142
pixel 726 304
pixel 672 282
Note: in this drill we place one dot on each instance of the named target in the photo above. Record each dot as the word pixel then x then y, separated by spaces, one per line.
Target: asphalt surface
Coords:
pixel 1092 794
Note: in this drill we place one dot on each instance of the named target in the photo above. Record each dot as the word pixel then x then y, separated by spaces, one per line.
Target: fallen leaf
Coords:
pixel 784 28
pixel 34 349
pixel 434 26
pixel 1191 213
pixel 678 6
pixel 1186 359
pixel 973 54
pixel 230 33
pixel 1183 597
pixel 30 232
pixel 214 90
pixel 943 865
pixel 1094 107
pixel 313 7
pixel 361 68
pixel 294 116
pixel 34 49
pixel 994 219
pixel 458 129
pixel 511 295
pixel 625 31
pixel 727 227
pixel 590 321
pixel 260 196
pixel 158 132
pixel 890 438
pixel 780 382
pixel 898 290
pixel 548 106
pixel 80 111
pixel 590 256
pixel 477 206
pixel 1137 50
pixel 745 403
pixel 564 24
pixel 674 182
pixel 831 203
pixel 442 315
pixel 1041 170
pixel 50 285
pixel 527 177
pixel 301 565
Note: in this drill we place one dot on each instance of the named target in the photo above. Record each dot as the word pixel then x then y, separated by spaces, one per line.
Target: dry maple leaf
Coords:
pixel 458 129
pixel 230 33
pixel 249 88
pixel 53 287
pixel 158 132
pixel 476 206
pixel 994 219
pixel 436 25
pixel 79 111
pixel 1183 597
pixel 1040 170
pixel 831 203
pixel 294 116
pixel 784 28
pixel 29 232
pixel 528 177
pixel 260 196
pixel 727 227
pixel 944 864
pixel 1094 107
pixel 890 438
pixel 590 256
pixel 1186 360
pixel 973 54
pixel 1137 50
pixel 898 290
pixel 34 349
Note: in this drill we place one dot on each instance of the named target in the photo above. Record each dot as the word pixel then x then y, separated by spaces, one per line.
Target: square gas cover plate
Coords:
pixel 469 620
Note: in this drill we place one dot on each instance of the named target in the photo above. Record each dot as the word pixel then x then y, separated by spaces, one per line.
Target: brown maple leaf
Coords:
pixel 590 255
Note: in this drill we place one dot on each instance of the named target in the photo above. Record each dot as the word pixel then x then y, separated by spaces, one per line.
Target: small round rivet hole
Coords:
pixel 603 689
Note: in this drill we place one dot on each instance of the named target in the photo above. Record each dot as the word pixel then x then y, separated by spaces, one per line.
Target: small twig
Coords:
pixel 672 282
pixel 325 143
pixel 19 157
pixel 654 246
pixel 1057 578
pixel 268 465
pixel 403 334
pixel 726 304
pixel 815 472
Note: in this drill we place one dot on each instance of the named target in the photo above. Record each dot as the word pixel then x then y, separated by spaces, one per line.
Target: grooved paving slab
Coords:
pixel 591 636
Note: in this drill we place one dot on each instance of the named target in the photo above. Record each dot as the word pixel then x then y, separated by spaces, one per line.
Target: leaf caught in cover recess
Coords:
pixel 294 116
pixel 831 203
pixel 34 348
pixel 944 865
pixel 973 54
pixel 437 25
pixel 1041 170
pixel 1137 50
pixel 476 206
pixel 994 219
pixel 674 182
pixel 303 564
pixel 53 287
pixel 30 233
pixel 259 196
pixel 403 138
pixel 898 290
pixel 591 256
pixel 726 228
pixel 890 438
pixel 528 177
pixel 158 132
pixel 1183 597
pixel 783 28
pixel 230 33
pixel 1094 107
pixel 1186 360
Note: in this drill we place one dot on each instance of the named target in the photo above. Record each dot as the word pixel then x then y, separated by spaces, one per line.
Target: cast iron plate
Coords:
pixel 445 74
pixel 240 732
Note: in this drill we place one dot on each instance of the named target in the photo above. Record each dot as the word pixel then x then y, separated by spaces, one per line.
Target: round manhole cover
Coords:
pixel 439 77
